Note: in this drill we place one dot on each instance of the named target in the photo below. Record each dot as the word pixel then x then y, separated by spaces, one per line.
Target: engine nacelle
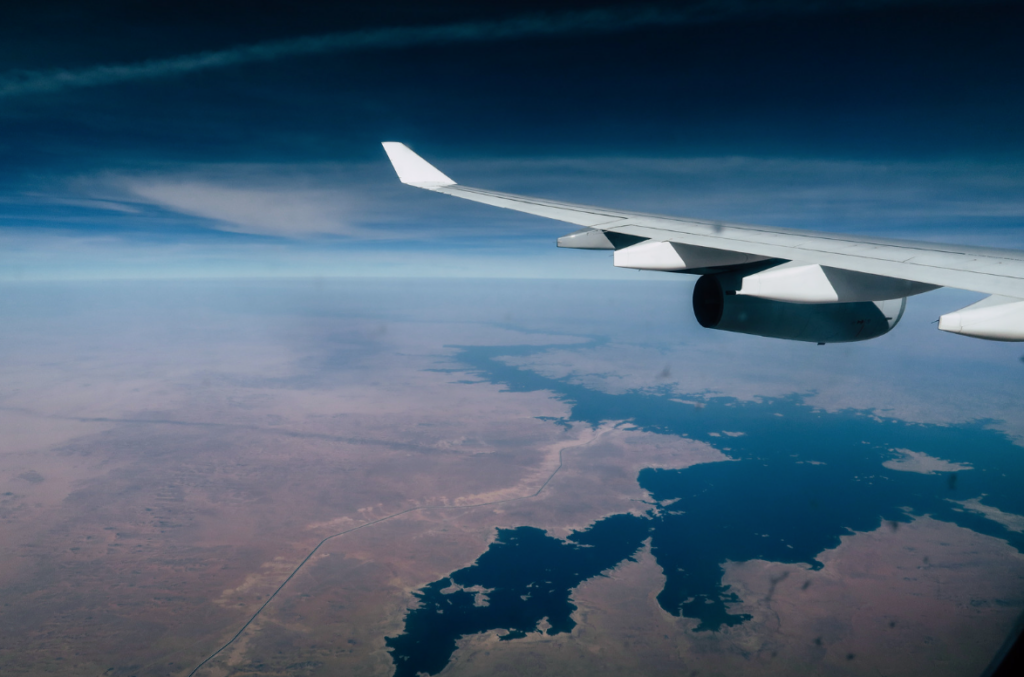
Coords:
pixel 717 308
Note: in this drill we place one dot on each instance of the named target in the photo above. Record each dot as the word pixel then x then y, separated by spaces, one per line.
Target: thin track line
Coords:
pixel 370 524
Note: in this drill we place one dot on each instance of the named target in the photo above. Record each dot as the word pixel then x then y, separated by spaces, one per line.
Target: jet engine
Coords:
pixel 718 307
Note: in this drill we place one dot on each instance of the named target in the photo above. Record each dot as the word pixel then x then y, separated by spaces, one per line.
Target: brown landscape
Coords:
pixel 160 479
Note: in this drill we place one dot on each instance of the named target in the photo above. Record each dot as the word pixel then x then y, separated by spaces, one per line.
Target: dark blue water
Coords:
pixel 528 576
pixel 803 479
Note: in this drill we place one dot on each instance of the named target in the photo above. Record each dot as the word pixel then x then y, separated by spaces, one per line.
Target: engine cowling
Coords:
pixel 717 308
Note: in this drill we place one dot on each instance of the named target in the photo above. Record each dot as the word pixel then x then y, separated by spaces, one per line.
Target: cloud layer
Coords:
pixel 973 203
pixel 258 211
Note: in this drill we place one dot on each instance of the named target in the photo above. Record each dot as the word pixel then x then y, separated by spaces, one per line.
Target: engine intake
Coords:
pixel 717 308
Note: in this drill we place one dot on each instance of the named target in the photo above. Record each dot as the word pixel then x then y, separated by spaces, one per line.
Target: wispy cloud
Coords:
pixel 34 254
pixel 103 205
pixel 595 22
pixel 259 211
pixel 974 203
pixel 299 201
pixel 357 219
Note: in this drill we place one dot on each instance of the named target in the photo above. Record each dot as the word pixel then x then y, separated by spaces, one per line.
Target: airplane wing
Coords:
pixel 779 264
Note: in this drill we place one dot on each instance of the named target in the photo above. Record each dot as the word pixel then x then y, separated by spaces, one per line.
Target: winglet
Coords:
pixel 412 169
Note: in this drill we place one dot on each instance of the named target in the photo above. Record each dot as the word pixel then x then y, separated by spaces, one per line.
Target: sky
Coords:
pixel 227 139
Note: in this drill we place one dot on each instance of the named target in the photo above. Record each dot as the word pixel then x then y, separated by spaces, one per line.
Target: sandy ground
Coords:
pixel 162 475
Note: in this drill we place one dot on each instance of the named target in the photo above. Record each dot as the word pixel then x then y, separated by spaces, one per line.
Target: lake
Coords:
pixel 800 479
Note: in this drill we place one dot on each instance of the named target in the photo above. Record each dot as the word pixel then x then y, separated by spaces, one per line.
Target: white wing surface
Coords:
pixel 999 272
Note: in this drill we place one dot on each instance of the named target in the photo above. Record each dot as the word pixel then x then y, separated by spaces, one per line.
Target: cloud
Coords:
pixel 357 219
pixel 955 201
pixel 104 205
pixel 259 211
pixel 278 199
pixel 295 200
pixel 50 254
pixel 594 22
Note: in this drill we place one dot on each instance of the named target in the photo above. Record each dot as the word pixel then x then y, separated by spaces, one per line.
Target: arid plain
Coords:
pixel 166 465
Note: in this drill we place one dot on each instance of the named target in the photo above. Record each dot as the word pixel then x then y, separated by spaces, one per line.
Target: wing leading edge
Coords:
pixel 841 261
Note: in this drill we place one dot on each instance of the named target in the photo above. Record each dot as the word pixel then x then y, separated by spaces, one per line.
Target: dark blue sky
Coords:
pixel 901 117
